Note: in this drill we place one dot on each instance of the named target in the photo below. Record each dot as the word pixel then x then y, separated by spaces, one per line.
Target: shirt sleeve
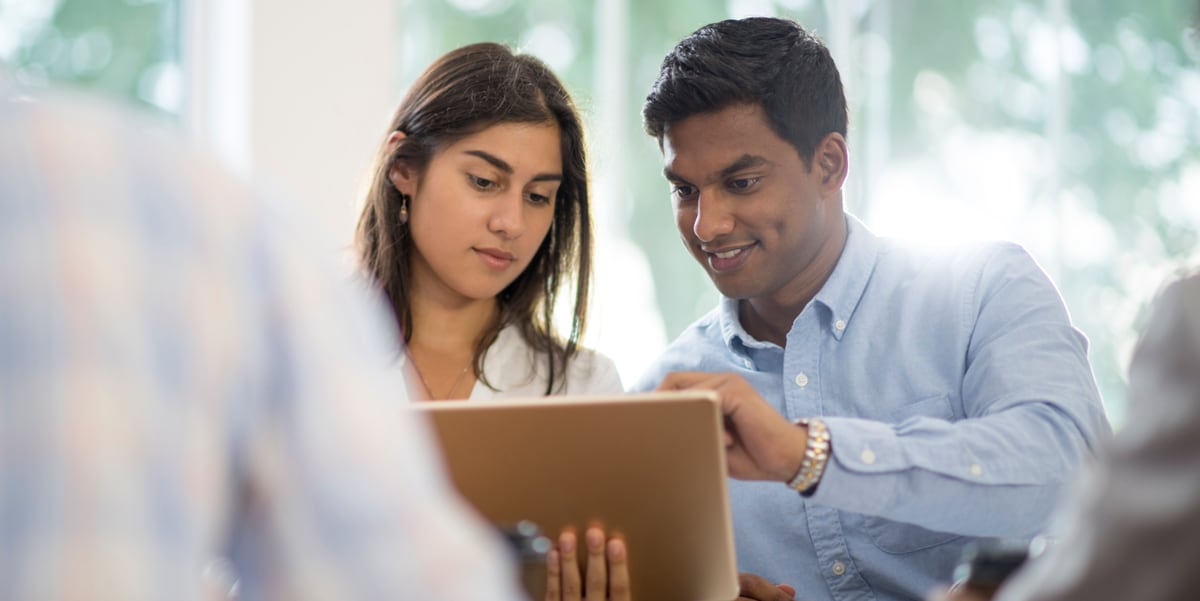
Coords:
pixel 1133 528
pixel 1032 413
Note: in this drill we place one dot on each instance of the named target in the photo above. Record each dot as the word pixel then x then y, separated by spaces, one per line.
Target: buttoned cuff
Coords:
pixel 860 447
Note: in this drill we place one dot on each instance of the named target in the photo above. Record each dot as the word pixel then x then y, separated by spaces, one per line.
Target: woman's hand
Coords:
pixel 607 571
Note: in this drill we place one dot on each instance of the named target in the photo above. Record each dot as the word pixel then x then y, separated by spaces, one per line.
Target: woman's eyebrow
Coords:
pixel 503 165
pixel 495 161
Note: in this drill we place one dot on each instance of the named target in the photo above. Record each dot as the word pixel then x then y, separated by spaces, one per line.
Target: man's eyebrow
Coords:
pixel 503 165
pixel 745 161
pixel 671 176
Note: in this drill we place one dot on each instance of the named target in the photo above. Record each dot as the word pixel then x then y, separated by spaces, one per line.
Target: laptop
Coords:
pixel 648 467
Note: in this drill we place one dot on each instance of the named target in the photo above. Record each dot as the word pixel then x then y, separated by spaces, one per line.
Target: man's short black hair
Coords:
pixel 771 62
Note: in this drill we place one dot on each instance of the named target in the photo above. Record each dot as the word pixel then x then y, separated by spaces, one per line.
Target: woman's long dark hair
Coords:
pixel 464 92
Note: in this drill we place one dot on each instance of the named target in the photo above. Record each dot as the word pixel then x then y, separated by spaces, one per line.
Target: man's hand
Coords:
pixel 607 569
pixel 757 588
pixel 759 443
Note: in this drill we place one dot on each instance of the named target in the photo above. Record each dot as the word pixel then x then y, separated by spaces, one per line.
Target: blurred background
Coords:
pixel 1066 126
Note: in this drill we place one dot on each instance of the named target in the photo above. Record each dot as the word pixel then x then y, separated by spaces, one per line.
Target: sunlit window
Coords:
pixel 1066 126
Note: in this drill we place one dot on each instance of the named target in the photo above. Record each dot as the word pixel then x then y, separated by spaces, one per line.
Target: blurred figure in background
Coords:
pixel 180 379
pixel 1133 528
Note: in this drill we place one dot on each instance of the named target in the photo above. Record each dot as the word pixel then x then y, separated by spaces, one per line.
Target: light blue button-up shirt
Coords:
pixel 959 399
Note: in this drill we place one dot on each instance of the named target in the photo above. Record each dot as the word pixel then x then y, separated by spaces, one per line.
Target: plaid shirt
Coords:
pixel 181 379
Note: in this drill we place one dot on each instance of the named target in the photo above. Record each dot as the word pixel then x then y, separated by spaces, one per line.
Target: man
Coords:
pixel 1133 530
pixel 182 380
pixel 940 397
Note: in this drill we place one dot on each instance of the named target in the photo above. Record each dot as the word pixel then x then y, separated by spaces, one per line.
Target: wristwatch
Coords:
pixel 816 456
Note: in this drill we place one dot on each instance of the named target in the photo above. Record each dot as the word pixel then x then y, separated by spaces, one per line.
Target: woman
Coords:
pixel 476 218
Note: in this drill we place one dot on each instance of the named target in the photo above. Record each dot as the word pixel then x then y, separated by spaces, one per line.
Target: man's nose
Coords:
pixel 713 218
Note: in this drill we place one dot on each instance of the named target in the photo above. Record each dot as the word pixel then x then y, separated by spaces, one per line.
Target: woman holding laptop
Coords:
pixel 476 220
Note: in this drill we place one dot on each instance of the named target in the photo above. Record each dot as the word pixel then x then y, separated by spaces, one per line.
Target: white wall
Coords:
pixel 296 94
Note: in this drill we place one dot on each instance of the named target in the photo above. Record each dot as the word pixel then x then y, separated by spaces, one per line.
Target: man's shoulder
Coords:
pixel 951 267
pixel 954 281
pixel 899 252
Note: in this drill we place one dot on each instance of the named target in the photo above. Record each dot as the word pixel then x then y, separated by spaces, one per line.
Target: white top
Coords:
pixel 515 370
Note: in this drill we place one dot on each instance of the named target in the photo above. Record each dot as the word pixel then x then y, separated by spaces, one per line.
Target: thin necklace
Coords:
pixel 449 393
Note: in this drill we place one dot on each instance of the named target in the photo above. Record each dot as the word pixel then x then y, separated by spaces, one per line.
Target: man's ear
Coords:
pixel 399 174
pixel 832 161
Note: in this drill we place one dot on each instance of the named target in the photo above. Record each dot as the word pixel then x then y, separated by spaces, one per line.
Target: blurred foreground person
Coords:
pixel 181 380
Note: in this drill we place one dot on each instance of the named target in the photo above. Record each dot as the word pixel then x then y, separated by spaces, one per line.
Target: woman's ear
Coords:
pixel 399 173
pixel 394 140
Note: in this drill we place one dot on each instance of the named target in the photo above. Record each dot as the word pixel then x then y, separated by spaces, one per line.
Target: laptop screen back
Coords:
pixel 649 468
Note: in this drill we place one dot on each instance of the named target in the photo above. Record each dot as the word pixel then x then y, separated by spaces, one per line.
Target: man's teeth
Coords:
pixel 729 254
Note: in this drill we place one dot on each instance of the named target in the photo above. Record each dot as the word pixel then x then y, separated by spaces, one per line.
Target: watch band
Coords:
pixel 816 456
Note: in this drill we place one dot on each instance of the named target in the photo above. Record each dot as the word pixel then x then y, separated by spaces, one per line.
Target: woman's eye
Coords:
pixel 538 199
pixel 481 183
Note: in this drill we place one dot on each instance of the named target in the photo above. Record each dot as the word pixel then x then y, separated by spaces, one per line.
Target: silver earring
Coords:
pixel 404 208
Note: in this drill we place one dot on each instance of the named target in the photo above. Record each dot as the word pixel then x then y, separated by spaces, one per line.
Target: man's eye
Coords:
pixel 683 191
pixel 744 183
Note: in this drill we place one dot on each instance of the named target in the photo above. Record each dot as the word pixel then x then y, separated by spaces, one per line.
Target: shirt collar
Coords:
pixel 840 294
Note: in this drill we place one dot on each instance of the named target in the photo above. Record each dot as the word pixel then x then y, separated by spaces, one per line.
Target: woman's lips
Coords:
pixel 495 258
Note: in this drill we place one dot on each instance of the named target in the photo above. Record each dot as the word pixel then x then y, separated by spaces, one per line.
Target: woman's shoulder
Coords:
pixel 514 367
pixel 592 372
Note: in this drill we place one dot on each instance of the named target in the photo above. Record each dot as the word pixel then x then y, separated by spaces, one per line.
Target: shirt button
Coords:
pixel 839 568
pixel 868 456
pixel 801 380
pixel 748 364
pixel 839 325
pixel 976 470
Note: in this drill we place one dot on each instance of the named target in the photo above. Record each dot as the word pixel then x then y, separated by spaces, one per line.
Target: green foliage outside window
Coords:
pixel 1091 106
pixel 127 49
